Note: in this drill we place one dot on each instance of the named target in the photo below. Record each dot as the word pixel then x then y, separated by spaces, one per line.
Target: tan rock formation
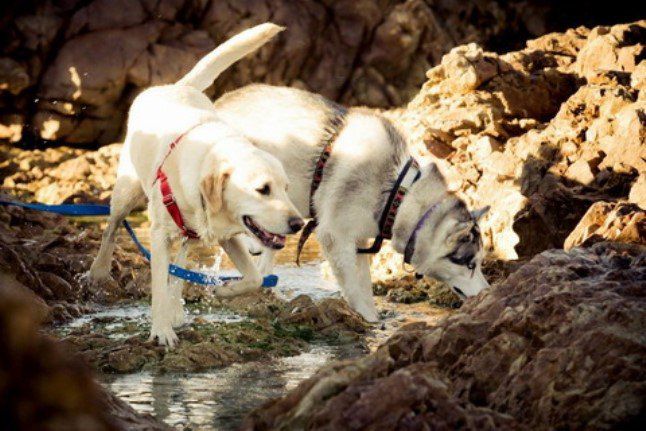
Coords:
pixel 539 134
pixel 81 63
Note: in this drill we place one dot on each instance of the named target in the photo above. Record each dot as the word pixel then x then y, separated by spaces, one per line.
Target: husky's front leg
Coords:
pixel 351 272
pixel 251 279
pixel 162 306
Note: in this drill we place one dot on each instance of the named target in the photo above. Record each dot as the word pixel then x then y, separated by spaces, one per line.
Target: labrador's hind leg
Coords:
pixel 126 196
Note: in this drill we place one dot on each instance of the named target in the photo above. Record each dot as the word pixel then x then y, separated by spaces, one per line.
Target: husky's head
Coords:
pixel 439 236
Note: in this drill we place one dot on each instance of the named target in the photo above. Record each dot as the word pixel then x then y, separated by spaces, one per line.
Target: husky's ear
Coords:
pixel 477 214
pixel 212 188
pixel 431 174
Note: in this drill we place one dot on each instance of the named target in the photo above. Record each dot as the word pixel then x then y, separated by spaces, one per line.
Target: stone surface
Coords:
pixel 604 221
pixel 46 387
pixel 558 345
pixel 260 327
pixel 60 175
pixel 538 134
pixel 48 254
pixel 68 69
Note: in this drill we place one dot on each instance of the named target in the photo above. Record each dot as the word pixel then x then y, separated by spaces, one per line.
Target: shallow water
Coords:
pixel 219 399
pixel 216 399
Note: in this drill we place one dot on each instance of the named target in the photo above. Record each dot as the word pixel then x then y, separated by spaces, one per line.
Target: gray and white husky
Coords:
pixel 367 156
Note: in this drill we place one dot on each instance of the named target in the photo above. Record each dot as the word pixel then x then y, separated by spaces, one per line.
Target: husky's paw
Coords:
pixel 164 335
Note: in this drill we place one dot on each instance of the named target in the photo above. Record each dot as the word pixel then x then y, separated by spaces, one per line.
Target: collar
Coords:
pixel 410 245
pixel 168 199
pixel 406 178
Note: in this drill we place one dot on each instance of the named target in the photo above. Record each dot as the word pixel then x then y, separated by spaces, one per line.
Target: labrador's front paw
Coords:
pixel 98 273
pixel 236 288
pixel 165 336
pixel 96 281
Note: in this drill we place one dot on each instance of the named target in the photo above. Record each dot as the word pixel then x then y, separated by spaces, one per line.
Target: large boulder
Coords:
pixel 538 134
pixel 621 222
pixel 68 70
pixel 558 345
pixel 44 386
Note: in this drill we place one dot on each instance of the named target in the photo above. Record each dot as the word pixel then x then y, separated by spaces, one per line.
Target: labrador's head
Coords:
pixel 251 192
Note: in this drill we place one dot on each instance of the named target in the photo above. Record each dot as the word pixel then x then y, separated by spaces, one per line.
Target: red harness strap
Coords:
pixel 167 193
pixel 332 129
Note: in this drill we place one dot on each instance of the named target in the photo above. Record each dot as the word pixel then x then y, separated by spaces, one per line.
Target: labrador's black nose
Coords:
pixel 295 224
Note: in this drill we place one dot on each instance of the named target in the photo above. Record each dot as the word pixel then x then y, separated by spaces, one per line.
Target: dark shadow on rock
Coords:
pixel 44 386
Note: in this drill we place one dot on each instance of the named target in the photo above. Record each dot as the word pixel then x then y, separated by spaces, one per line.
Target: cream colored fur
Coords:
pixel 215 174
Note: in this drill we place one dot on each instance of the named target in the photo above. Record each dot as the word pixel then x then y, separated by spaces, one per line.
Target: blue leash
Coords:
pixel 75 210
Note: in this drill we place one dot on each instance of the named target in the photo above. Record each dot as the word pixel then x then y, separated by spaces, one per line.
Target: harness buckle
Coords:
pixel 168 200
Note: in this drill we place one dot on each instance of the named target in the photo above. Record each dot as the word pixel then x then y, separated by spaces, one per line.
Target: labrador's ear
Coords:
pixel 212 189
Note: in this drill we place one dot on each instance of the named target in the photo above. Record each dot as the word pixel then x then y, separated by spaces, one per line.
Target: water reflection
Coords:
pixel 218 399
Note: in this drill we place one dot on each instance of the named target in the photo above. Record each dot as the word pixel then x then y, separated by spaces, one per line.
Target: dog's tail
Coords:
pixel 214 63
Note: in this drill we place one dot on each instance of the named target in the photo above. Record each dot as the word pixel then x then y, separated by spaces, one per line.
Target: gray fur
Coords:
pixel 367 156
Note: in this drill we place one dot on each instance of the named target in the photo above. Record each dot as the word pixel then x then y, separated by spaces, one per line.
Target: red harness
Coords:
pixel 167 193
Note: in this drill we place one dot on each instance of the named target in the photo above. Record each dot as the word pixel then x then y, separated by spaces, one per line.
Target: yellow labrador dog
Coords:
pixel 202 179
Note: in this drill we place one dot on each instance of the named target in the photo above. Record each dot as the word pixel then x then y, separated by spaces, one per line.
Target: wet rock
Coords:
pixel 46 387
pixel 49 255
pixel 123 346
pixel 262 304
pixel 328 316
pixel 557 345
pixel 605 221
pixel 408 290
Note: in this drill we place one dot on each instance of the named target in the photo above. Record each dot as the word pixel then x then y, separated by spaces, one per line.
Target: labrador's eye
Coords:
pixel 264 190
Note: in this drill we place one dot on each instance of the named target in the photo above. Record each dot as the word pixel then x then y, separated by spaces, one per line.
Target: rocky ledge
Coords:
pixel 68 70
pixel 48 255
pixel 43 386
pixel 558 345
pixel 538 134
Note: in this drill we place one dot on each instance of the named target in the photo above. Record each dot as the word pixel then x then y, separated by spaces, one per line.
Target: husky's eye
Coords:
pixel 264 190
pixel 466 238
pixel 460 260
